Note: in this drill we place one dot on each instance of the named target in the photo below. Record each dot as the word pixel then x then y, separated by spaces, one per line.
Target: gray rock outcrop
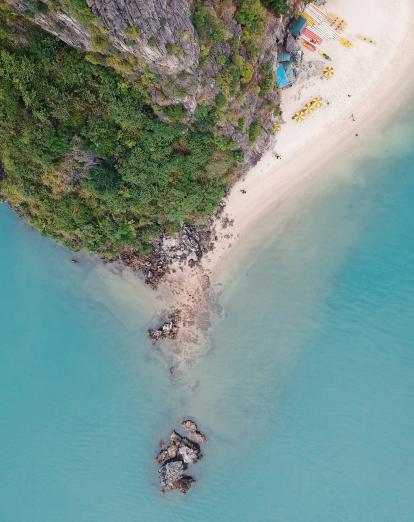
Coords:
pixel 146 29
pixel 175 457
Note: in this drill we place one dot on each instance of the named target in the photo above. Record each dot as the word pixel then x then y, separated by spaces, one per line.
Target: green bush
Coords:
pixel 175 113
pixel 133 32
pixel 36 7
pixel 251 16
pixel 152 41
pixel 268 79
pixel 173 49
pixel 254 132
pixel 278 6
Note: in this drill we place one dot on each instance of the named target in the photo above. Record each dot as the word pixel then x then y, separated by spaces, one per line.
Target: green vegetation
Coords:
pixel 37 7
pixel 251 16
pixel 173 49
pixel 278 6
pixel 267 80
pixel 86 159
pixel 79 9
pixel 237 73
pixel 254 131
pixel 152 41
pixel 133 32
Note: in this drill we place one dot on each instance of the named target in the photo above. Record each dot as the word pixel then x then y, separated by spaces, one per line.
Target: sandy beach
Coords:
pixel 371 82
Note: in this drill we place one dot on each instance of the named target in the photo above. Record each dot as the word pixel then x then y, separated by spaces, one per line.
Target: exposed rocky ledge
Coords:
pixel 168 329
pixel 176 455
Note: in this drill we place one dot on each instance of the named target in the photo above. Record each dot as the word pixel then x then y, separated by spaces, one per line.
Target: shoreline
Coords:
pixel 271 180
pixel 352 106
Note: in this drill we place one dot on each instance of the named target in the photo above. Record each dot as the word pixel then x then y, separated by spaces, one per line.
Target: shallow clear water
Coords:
pixel 307 393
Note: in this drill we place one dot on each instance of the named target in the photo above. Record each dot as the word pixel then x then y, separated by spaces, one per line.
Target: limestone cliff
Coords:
pixel 145 29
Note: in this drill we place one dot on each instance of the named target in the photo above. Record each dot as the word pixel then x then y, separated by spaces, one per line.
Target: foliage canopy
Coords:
pixel 86 159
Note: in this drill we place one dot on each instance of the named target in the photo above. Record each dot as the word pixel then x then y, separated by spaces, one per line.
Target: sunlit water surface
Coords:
pixel 307 392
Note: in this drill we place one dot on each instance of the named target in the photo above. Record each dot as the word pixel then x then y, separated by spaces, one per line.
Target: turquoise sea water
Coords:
pixel 307 392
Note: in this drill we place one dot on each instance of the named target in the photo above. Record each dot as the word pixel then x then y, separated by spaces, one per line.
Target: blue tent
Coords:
pixel 281 77
pixel 298 27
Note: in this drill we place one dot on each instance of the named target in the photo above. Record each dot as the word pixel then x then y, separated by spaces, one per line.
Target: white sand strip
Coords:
pixel 370 83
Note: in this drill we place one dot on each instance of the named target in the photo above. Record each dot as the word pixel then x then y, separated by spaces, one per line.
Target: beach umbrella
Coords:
pixel 299 116
pixel 308 108
pixel 317 102
pixel 328 72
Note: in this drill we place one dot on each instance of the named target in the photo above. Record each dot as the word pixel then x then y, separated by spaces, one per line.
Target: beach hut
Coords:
pixel 281 77
pixel 284 56
pixel 298 26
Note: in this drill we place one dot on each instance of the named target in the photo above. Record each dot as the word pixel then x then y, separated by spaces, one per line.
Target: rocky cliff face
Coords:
pixel 145 29
pixel 189 53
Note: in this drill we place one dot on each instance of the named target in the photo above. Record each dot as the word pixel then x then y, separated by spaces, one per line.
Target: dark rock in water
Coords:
pixel 166 454
pixel 172 476
pixel 170 473
pixel 168 329
pixel 184 484
pixel 175 456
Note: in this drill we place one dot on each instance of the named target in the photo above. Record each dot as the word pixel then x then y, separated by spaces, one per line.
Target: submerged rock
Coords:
pixel 191 427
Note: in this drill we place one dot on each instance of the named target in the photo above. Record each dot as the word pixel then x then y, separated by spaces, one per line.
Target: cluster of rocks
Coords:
pixel 186 247
pixel 175 456
pixel 168 328
pixel 152 266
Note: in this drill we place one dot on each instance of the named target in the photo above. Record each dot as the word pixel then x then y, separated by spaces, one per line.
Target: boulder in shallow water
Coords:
pixel 170 472
pixel 184 484
pixel 176 455
pixel 191 427
pixel 189 455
